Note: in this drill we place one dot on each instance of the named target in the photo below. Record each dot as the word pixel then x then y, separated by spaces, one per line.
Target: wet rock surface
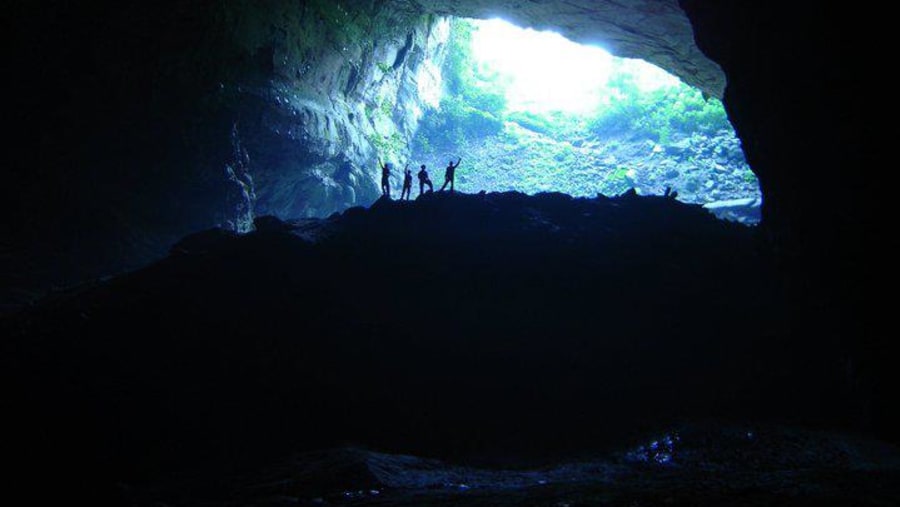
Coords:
pixel 455 326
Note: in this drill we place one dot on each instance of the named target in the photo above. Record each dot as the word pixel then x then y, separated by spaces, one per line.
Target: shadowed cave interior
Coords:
pixel 205 301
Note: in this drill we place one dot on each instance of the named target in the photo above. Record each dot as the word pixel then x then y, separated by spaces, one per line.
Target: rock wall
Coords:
pixel 798 96
pixel 702 167
pixel 138 123
pixel 325 90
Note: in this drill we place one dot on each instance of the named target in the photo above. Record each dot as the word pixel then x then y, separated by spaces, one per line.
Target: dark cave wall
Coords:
pixel 137 123
pixel 798 95
pixel 794 94
pixel 127 90
pixel 128 115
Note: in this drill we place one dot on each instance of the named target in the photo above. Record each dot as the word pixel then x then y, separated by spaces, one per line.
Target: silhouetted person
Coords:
pixel 450 174
pixel 385 179
pixel 407 183
pixel 424 180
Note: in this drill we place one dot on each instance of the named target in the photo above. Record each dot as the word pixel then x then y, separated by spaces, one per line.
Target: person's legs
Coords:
pixel 421 187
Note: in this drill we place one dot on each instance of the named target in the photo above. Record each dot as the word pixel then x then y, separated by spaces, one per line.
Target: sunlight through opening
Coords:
pixel 543 71
pixel 532 111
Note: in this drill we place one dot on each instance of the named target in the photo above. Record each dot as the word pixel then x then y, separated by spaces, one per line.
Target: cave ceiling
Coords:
pixel 657 31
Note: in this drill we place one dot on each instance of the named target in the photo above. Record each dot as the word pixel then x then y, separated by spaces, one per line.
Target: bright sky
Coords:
pixel 548 72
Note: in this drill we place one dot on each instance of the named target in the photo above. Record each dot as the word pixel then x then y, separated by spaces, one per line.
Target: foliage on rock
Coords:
pixel 672 135
pixel 659 113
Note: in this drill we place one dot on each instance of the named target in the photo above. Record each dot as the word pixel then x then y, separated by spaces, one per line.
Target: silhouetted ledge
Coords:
pixel 452 326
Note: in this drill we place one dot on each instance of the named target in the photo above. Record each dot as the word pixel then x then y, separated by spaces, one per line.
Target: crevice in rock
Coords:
pixel 401 54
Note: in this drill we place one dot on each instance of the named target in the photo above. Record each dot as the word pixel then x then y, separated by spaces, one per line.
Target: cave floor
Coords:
pixel 697 465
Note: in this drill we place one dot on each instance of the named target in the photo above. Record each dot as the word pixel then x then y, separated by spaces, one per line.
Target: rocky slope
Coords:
pixel 702 168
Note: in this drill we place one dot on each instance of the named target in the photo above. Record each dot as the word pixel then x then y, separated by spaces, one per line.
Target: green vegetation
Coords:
pixel 384 67
pixel 474 84
pixel 390 147
pixel 656 114
pixel 638 137
pixel 386 108
pixel 556 124
pixel 474 102
pixel 456 123
pixel 475 106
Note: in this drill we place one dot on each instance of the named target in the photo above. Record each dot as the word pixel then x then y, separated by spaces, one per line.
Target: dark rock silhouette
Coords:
pixel 691 464
pixel 574 321
pixel 531 326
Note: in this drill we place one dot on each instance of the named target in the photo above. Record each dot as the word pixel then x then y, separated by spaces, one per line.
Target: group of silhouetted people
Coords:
pixel 424 179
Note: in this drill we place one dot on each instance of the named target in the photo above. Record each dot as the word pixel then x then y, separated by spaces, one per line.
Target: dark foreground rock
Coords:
pixel 458 326
pixel 693 464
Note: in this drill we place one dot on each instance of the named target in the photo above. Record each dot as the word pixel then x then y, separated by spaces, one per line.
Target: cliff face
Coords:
pixel 138 123
pixel 320 92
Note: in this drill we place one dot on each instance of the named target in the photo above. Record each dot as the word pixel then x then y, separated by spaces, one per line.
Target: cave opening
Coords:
pixel 206 300
pixel 532 111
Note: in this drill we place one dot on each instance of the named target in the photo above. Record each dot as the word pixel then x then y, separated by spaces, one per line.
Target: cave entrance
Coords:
pixel 532 111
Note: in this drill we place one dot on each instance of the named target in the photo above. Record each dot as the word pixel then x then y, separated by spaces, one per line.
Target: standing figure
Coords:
pixel 407 183
pixel 450 174
pixel 385 179
pixel 424 180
